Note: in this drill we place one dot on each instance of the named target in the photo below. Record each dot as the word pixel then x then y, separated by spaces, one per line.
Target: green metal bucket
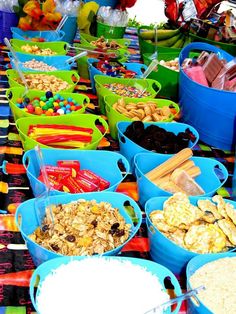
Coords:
pixel 114 116
pixel 16 92
pixel 151 86
pixel 71 77
pixel 83 120
pixel 110 31
pixel 59 47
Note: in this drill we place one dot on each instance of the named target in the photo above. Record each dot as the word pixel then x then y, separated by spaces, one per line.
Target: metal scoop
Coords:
pixel 185 296
pixel 42 202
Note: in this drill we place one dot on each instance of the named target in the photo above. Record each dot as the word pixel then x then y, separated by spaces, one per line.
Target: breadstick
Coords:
pixel 170 164
pixel 193 171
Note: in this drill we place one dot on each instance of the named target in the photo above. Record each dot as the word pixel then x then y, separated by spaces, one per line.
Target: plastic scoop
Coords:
pixel 100 51
pixel 16 62
pixel 185 296
pixel 154 55
pixel 42 203
pixel 80 55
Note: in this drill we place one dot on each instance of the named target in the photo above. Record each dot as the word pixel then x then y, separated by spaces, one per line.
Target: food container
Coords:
pixel 86 40
pixel 129 149
pixel 136 67
pixel 213 174
pixel 149 47
pixel 162 249
pixel 59 47
pixel 161 272
pixel 102 163
pixel 16 92
pixel 121 54
pixel 109 31
pixel 230 48
pixel 18 33
pixel 114 116
pixel 71 77
pixel 168 78
pixel 147 85
pixel 70 28
pixel 88 120
pixel 58 62
pixel 29 222
pixel 207 109
pixel 193 265
pixel 7 20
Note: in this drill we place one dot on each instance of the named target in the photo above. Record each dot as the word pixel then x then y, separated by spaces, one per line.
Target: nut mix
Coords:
pixel 44 82
pixel 38 65
pixel 209 227
pixel 38 51
pixel 102 43
pixel 82 228
pixel 143 111
pixel 172 64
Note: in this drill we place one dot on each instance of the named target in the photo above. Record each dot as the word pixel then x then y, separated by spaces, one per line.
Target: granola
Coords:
pixel 82 228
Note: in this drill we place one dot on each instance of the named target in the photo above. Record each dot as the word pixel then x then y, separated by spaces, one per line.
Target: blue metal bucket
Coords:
pixel 211 111
pixel 193 265
pixel 129 149
pixel 27 220
pixel 136 67
pixel 208 179
pixel 158 270
pixel 162 249
pixel 58 62
pixel 46 35
pixel 103 163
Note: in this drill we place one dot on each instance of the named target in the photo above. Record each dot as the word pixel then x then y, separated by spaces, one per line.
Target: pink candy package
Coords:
pixel 197 75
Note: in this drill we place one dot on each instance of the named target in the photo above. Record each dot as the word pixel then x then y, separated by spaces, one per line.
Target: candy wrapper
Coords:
pixel 68 7
pixel 8 5
pixel 112 17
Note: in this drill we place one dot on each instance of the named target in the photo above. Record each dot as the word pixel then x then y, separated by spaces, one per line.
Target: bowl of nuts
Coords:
pixel 40 49
pixel 125 87
pixel 135 109
pixel 44 103
pixel 41 63
pixel 181 227
pixel 70 131
pixel 83 224
pixel 54 81
pixel 159 137
pixel 103 43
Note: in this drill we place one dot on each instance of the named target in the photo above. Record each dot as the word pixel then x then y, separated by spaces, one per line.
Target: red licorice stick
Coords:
pixel 19 279
pixel 65 127
pixel 47 139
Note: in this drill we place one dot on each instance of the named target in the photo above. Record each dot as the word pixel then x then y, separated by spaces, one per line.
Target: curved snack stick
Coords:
pixel 170 164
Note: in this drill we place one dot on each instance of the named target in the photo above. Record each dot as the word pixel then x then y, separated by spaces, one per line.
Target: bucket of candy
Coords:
pixel 134 88
pixel 41 103
pixel 66 131
pixel 127 109
pixel 204 179
pixel 213 78
pixel 72 171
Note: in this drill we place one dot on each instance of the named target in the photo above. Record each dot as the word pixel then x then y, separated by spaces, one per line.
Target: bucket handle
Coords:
pixel 125 164
pixel 33 281
pixel 76 75
pixel 221 167
pixel 136 211
pixel 156 86
pixel 200 46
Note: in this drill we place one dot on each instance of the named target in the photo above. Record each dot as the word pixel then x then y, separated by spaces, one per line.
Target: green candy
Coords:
pixel 45 107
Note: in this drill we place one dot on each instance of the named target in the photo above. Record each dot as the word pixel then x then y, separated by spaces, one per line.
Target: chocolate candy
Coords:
pixel 157 139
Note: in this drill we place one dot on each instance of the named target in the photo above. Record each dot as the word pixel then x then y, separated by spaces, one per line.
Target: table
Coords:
pixel 16 265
